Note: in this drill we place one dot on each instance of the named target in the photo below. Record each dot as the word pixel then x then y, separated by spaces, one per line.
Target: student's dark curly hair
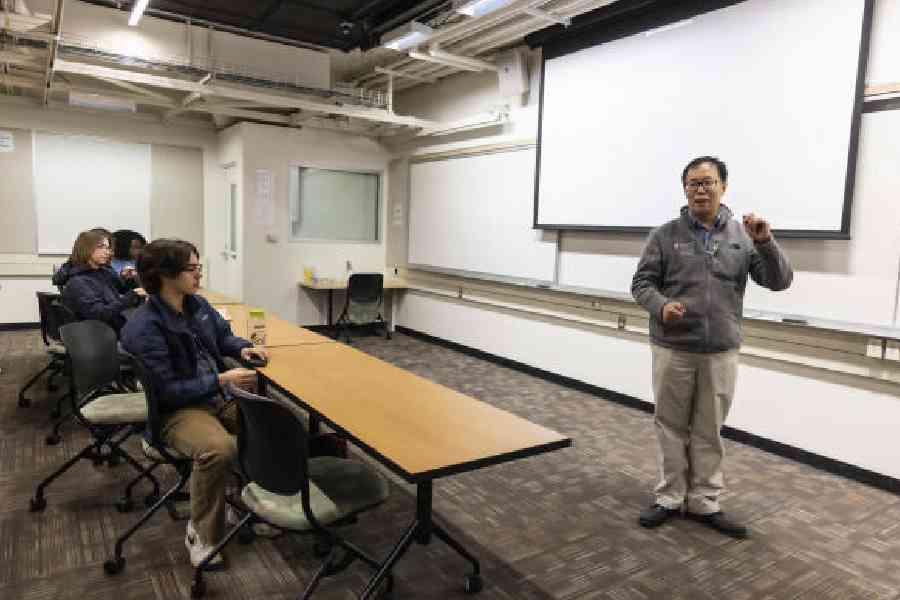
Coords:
pixel 163 258
pixel 720 167
pixel 121 243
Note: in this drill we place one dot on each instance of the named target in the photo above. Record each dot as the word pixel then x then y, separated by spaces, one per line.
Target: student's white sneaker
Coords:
pixel 261 529
pixel 199 550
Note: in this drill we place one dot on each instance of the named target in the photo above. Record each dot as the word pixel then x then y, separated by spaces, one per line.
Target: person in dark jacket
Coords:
pixel 126 246
pixel 691 280
pixel 182 341
pixel 91 291
pixel 62 274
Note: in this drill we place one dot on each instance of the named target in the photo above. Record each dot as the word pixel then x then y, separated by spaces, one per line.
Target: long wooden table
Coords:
pixel 419 429
pixel 217 298
pixel 278 331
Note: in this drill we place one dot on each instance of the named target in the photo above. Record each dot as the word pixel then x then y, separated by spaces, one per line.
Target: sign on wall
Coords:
pixel 7 141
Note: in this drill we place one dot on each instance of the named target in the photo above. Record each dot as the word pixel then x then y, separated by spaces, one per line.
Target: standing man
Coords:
pixel 691 279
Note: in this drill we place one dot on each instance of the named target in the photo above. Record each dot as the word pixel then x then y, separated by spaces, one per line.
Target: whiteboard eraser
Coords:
pixel 875 348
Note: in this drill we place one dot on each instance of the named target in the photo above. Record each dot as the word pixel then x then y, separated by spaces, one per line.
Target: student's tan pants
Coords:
pixel 207 436
pixel 693 393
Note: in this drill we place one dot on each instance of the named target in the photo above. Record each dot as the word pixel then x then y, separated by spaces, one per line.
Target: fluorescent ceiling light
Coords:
pixel 669 27
pixel 482 7
pixel 407 36
pixel 137 11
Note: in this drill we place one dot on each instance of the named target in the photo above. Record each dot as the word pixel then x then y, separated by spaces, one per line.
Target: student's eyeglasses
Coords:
pixel 706 184
pixel 194 268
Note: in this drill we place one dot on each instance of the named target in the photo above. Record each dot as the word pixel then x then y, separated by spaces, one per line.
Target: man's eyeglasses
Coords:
pixel 194 268
pixel 706 184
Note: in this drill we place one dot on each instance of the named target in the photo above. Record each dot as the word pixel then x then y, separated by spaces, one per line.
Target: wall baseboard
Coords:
pixel 823 463
pixel 18 326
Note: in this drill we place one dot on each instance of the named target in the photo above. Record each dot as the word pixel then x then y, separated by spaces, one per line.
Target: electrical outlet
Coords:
pixel 875 348
pixel 621 321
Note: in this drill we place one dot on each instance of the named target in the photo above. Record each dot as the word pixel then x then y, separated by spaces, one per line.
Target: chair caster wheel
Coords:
pixel 150 500
pixel 125 505
pixel 37 504
pixel 321 549
pixel 52 439
pixel 113 460
pixel 473 584
pixel 24 402
pixel 198 589
pixel 114 565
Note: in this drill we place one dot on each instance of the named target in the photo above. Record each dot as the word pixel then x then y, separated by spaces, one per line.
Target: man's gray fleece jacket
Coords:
pixel 710 282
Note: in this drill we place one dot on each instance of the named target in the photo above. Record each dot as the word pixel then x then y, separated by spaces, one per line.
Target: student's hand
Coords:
pixel 757 228
pixel 242 378
pixel 673 311
pixel 128 272
pixel 249 354
pixel 140 292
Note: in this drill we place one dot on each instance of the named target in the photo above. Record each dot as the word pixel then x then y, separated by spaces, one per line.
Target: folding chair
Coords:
pixel 108 414
pixel 294 493
pixel 362 306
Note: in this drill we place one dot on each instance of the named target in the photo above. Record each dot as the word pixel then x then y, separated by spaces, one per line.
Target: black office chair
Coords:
pixel 110 415
pixel 159 454
pixel 51 320
pixel 294 493
pixel 362 306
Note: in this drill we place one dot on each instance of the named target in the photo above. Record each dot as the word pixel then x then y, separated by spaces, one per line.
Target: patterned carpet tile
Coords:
pixel 556 526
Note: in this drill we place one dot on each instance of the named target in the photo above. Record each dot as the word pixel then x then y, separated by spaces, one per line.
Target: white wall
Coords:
pixel 844 419
pixel 17 301
pixel 273 270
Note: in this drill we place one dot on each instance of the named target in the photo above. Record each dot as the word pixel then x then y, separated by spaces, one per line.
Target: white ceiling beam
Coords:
pixel 267 99
pixel 548 16
pixel 141 91
pixel 55 28
pixel 190 99
pixel 440 61
pixel 465 60
pixel 402 75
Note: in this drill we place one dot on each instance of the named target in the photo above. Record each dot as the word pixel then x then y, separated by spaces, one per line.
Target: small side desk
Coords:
pixel 415 427
pixel 390 283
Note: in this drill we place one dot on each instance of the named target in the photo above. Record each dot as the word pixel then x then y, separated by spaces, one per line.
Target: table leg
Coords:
pixel 420 531
pixel 330 302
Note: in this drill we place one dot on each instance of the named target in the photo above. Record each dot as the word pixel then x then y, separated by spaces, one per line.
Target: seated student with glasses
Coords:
pixel 92 291
pixel 181 340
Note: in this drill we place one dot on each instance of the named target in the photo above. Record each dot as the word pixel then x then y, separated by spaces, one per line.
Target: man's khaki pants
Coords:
pixel 205 434
pixel 693 393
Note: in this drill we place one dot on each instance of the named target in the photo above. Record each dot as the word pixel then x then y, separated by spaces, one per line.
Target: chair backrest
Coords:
pixel 151 393
pixel 365 288
pixel 49 318
pixel 92 347
pixel 272 445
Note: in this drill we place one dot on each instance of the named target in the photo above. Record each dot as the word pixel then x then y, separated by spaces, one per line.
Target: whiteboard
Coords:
pixel 769 86
pixel 853 280
pixel 82 182
pixel 474 213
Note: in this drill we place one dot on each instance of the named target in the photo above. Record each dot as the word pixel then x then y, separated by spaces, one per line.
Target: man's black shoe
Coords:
pixel 721 523
pixel 655 515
